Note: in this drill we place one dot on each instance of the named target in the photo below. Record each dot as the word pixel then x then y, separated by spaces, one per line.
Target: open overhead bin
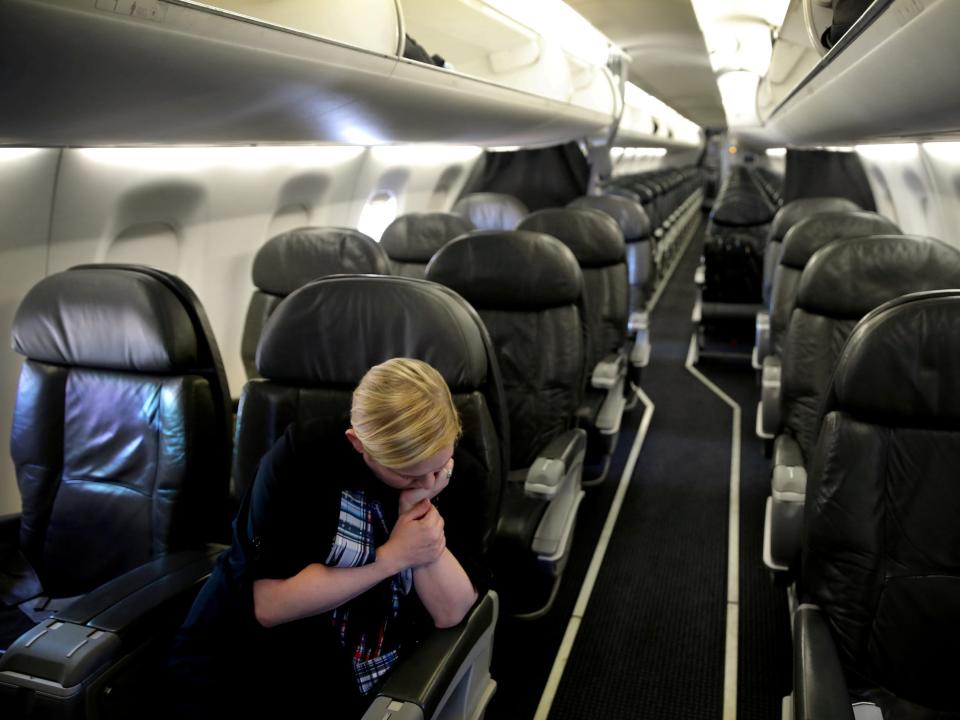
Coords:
pixel 118 72
pixel 883 80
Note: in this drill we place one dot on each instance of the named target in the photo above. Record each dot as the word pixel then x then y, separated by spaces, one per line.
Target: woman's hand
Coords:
pixel 409 498
pixel 417 538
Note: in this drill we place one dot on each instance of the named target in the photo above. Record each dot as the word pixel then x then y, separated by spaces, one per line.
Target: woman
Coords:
pixel 340 557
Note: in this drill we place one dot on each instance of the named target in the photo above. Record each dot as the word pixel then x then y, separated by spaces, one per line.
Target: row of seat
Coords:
pixel 857 400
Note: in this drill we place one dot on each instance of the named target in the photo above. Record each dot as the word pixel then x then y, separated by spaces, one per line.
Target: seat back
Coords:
pixel 842 282
pixel 635 226
pixel 121 430
pixel 881 552
pixel 595 240
pixel 788 216
pixel 491 211
pixel 799 244
pixel 528 289
pixel 412 239
pixel 323 338
pixel 294 258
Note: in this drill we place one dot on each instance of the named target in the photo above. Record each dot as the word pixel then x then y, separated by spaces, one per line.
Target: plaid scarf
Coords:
pixel 361 523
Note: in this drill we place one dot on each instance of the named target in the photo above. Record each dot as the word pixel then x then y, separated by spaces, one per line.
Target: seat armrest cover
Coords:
pixel 434 670
pixel 92 632
pixel 608 371
pixel 770 395
pixel 819 688
pixel 550 467
pixel 608 418
pixel 786 451
pixel 762 335
pixel 638 329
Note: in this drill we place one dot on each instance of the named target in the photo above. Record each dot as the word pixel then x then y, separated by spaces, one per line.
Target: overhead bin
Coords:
pixel 106 72
pixel 884 80
pixel 648 122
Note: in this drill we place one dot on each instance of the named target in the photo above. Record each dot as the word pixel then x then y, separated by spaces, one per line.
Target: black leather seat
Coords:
pixel 799 245
pixel 314 349
pixel 841 283
pixel 880 577
pixel 788 216
pixel 294 258
pixel 491 211
pixel 597 243
pixel 412 239
pixel 121 442
pixel 528 289
pixel 635 227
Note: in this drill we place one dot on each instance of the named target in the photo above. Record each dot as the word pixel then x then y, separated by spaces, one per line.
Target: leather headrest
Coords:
pixel 901 360
pixel 491 211
pixel 415 237
pixel 514 270
pixel 593 237
pixel 848 279
pixel 797 210
pixel 629 215
pixel 811 234
pixel 108 318
pixel 294 258
pixel 331 331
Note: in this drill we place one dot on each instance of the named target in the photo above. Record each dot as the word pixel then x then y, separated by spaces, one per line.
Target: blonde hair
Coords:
pixel 403 413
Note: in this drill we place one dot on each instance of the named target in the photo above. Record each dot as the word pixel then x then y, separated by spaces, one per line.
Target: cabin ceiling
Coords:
pixel 669 57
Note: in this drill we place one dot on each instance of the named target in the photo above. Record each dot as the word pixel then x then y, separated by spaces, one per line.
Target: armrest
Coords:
pixel 819 688
pixel 770 396
pixel 608 371
pixel 762 335
pixel 554 463
pixel 446 660
pixel 638 328
pixel 97 629
pixel 609 416
pixel 786 451
pixel 788 491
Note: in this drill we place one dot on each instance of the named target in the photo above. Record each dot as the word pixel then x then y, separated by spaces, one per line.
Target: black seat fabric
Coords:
pixel 121 432
pixel 842 282
pixel 881 553
pixel 412 239
pixel 597 243
pixel 635 227
pixel 528 289
pixel 491 211
pixel 294 258
pixel 799 245
pixel 788 216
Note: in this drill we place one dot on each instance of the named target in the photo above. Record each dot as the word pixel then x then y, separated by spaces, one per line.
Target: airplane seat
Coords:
pixel 412 239
pixel 528 289
pixel 597 242
pixel 491 211
pixel 121 443
pixel 314 349
pixel 788 216
pixel 635 226
pixel 880 579
pixel 841 283
pixel 294 258
pixel 798 245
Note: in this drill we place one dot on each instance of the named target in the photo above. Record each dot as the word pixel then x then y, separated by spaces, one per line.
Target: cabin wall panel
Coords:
pixel 906 191
pixel 942 161
pixel 29 175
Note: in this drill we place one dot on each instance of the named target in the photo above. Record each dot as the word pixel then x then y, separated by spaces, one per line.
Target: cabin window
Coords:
pixel 380 211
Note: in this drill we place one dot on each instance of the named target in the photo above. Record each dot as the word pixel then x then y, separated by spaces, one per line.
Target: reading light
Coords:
pixel 776 152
